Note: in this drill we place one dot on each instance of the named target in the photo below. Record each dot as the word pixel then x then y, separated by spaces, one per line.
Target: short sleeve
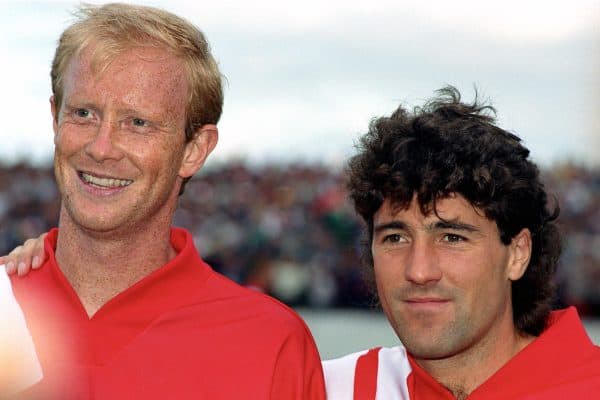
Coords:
pixel 298 374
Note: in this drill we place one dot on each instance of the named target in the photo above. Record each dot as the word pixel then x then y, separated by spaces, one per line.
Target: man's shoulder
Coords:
pixel 389 366
pixel 238 302
pixel 582 375
pixel 345 361
pixel 383 353
pixel 560 363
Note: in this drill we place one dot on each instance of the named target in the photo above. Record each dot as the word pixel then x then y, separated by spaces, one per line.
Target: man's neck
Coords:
pixel 99 267
pixel 465 372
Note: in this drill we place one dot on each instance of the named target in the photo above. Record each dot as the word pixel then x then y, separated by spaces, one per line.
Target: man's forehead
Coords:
pixel 100 55
pixel 450 207
pixel 154 69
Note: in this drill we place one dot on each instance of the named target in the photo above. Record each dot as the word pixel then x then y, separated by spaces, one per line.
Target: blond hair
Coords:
pixel 114 28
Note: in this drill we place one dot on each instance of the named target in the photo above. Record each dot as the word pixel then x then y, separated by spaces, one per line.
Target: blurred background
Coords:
pixel 303 80
pixel 287 230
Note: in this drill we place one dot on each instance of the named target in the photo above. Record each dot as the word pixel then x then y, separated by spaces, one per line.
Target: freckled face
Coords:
pixel 443 283
pixel 119 140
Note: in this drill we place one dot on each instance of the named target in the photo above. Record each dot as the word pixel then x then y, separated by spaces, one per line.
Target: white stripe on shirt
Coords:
pixel 393 369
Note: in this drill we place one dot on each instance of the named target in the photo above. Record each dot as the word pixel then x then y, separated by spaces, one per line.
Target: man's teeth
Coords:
pixel 105 182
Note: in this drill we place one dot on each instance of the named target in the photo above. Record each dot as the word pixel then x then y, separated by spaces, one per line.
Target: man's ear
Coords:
pixel 520 254
pixel 54 111
pixel 197 150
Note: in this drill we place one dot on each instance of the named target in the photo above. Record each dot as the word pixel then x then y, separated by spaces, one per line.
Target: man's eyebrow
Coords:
pixel 74 105
pixel 389 225
pixel 454 225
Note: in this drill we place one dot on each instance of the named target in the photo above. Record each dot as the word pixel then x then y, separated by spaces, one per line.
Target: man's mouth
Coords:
pixel 423 303
pixel 104 182
pixel 426 300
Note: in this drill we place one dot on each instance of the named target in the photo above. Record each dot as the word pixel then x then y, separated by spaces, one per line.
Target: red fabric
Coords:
pixel 183 332
pixel 562 363
pixel 365 375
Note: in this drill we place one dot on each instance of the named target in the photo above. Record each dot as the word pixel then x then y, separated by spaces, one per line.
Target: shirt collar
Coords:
pixel 564 342
pixel 176 283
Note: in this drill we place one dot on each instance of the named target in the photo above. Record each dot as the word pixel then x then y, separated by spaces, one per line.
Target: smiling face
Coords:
pixel 445 283
pixel 120 151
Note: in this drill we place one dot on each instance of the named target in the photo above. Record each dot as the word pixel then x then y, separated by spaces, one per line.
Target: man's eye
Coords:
pixel 139 122
pixel 393 238
pixel 82 113
pixel 452 238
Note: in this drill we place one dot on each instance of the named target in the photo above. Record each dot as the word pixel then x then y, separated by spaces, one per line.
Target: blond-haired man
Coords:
pixel 124 306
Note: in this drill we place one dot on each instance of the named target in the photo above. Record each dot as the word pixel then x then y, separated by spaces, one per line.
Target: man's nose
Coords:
pixel 422 265
pixel 104 144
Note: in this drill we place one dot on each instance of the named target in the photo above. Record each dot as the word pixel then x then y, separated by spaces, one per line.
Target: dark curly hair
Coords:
pixel 446 147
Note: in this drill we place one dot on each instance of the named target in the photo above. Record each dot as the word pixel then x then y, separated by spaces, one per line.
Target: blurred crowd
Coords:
pixel 289 231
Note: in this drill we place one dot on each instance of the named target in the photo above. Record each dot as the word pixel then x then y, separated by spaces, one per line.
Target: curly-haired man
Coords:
pixel 462 246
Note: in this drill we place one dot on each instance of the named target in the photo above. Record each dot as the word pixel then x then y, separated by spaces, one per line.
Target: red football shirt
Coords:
pixel 183 332
pixel 562 363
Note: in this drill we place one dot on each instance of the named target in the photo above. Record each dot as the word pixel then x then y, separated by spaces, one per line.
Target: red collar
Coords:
pixel 167 286
pixel 563 345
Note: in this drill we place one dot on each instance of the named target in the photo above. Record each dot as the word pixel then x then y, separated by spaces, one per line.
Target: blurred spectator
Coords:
pixel 288 230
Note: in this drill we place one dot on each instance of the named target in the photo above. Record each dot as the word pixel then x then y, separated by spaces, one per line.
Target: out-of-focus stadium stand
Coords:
pixel 364 329
pixel 289 231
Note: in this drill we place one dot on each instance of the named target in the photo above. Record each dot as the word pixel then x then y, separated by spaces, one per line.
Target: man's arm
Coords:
pixel 25 257
pixel 298 373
